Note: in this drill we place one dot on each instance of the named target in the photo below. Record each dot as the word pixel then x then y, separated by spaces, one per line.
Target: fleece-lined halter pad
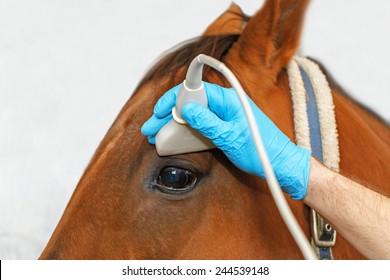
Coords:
pixel 315 129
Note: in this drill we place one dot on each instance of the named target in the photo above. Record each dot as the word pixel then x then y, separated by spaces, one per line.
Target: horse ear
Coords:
pixel 230 22
pixel 272 36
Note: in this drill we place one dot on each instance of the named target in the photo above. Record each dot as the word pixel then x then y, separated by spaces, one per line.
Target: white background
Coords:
pixel 67 68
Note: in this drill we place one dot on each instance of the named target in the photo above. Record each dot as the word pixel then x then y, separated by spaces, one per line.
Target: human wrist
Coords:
pixel 320 177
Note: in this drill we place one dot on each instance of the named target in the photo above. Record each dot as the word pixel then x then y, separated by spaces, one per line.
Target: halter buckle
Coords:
pixel 323 233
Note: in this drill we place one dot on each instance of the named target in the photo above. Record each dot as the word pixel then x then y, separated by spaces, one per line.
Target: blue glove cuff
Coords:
pixel 294 181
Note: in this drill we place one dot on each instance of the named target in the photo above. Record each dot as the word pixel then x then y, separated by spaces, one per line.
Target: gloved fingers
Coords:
pixel 154 124
pixel 152 140
pixel 165 104
pixel 217 97
pixel 205 121
pixel 224 102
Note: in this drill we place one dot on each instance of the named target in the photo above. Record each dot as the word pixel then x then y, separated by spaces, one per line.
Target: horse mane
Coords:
pixel 180 56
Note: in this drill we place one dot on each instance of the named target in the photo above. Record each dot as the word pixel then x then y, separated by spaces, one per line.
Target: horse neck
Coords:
pixel 364 142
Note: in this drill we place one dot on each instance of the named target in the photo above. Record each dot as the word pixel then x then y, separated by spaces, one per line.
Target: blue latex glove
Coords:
pixel 225 123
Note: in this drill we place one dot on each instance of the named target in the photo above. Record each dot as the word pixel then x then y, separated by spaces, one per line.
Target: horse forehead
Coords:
pixel 139 107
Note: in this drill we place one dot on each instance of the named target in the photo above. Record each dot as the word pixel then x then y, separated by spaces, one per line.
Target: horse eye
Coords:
pixel 173 179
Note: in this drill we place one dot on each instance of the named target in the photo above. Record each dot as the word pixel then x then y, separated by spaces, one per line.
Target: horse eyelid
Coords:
pixel 168 190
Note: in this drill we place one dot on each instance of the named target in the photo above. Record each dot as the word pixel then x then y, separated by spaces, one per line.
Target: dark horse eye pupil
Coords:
pixel 175 178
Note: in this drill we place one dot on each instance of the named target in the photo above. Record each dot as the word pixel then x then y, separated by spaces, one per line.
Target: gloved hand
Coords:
pixel 225 123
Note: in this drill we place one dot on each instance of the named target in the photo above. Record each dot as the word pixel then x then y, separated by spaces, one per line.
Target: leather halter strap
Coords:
pixel 315 129
pixel 323 235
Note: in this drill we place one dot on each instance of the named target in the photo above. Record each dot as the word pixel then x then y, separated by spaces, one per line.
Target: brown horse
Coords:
pixel 123 209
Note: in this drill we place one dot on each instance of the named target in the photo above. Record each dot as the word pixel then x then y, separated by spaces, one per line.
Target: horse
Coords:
pixel 123 208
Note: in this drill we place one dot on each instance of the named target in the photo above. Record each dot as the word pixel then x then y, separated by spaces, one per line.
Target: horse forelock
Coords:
pixel 174 62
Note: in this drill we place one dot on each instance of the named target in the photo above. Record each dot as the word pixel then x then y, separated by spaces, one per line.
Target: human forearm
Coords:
pixel 361 215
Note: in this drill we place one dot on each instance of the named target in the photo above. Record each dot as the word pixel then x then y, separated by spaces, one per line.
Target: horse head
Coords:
pixel 124 207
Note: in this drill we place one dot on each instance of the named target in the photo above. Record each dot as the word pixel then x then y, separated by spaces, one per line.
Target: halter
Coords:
pixel 315 129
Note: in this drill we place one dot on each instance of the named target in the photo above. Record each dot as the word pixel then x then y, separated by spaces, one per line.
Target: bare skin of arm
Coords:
pixel 359 214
